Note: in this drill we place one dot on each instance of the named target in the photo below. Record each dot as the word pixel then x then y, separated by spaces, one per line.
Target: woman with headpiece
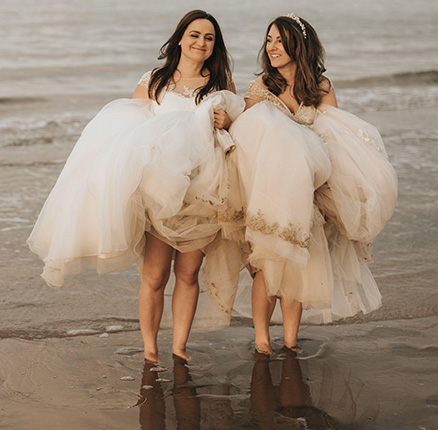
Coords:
pixel 145 182
pixel 316 187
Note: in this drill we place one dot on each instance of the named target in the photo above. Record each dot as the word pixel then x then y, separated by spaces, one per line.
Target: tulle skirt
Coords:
pixel 134 171
pixel 313 199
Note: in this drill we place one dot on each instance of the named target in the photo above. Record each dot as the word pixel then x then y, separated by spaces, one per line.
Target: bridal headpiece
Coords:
pixel 298 21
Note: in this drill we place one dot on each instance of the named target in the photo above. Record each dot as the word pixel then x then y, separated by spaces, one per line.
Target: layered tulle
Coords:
pixel 313 201
pixel 134 170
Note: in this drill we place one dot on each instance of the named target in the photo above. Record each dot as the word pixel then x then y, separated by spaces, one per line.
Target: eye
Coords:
pixel 210 39
pixel 194 36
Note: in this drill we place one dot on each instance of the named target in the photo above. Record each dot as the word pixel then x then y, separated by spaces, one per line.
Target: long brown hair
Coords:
pixel 218 64
pixel 308 54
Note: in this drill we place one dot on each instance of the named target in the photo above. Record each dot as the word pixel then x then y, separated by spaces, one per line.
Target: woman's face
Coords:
pixel 197 42
pixel 275 49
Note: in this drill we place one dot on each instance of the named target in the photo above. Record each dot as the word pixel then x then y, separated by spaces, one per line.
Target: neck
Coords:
pixel 288 73
pixel 189 69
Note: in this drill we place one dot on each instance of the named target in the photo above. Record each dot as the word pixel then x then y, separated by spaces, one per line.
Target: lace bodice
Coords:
pixel 179 96
pixel 304 115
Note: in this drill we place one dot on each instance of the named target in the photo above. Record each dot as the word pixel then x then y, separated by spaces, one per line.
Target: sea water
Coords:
pixel 62 60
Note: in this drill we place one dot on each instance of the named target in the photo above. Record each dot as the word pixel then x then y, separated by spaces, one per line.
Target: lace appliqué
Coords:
pixel 365 137
pixel 305 115
pixel 291 233
pixel 144 80
pixel 185 91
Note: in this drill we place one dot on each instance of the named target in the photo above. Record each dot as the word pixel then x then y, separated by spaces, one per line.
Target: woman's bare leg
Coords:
pixel 185 298
pixel 291 321
pixel 262 309
pixel 156 270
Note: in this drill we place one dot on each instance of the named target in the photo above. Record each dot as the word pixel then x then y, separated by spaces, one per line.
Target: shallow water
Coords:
pixel 368 376
pixel 60 68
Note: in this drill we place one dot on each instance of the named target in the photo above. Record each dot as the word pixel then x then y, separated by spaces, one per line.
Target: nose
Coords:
pixel 271 47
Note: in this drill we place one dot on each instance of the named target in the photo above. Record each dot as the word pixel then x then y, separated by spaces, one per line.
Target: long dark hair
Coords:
pixel 308 54
pixel 218 64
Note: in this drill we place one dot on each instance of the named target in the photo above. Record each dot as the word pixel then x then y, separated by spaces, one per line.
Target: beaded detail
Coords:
pixel 305 115
pixel 181 89
pixel 299 22
pixel 290 233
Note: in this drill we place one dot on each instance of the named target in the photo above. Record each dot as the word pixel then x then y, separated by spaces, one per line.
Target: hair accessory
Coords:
pixel 298 21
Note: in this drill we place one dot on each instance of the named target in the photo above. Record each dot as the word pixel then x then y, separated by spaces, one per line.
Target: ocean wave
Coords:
pixel 29 132
pixel 20 100
pixel 429 77
pixel 34 164
pixel 69 328
pixel 387 98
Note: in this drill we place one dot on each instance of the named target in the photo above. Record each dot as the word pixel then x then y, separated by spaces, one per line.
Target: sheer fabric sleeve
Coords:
pixel 326 85
pixel 144 80
pixel 255 92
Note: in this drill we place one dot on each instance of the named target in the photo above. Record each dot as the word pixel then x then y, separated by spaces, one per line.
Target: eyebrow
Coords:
pixel 198 32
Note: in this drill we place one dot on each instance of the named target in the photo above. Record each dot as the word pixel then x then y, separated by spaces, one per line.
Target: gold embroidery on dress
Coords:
pixel 232 215
pixel 291 233
pixel 305 115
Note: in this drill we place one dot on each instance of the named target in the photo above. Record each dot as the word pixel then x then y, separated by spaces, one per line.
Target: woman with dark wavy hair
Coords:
pixel 317 188
pixel 215 70
pixel 145 182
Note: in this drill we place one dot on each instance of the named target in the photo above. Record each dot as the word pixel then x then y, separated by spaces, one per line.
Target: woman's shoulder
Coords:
pixel 144 80
pixel 258 82
pixel 328 95
pixel 257 90
pixel 326 85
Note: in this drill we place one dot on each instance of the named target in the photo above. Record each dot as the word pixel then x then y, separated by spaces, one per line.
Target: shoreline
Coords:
pixel 373 375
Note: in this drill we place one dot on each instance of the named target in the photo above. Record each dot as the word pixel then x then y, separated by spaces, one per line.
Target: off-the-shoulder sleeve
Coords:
pixel 144 80
pixel 255 92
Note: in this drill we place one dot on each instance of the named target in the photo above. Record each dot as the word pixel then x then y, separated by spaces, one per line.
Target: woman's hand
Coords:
pixel 221 120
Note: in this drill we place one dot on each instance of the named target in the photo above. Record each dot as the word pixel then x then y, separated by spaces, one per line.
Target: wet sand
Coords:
pixel 377 375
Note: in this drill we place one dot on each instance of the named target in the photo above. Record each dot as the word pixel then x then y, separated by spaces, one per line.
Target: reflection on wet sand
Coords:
pixel 286 405
pixel 152 399
pixel 261 405
pixel 152 405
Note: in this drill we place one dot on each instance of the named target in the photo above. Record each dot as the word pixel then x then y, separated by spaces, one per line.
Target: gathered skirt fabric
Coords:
pixel 135 171
pixel 313 199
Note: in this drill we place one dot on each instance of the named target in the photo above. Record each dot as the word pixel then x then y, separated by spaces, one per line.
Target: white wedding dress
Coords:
pixel 315 188
pixel 142 166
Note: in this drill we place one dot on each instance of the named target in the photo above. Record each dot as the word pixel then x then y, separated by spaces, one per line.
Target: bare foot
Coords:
pixel 151 357
pixel 181 353
pixel 264 348
pixel 294 348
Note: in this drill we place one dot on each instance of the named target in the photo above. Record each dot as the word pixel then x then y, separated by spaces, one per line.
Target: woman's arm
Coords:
pixel 231 87
pixel 329 96
pixel 221 119
pixel 254 92
pixel 140 92
pixel 142 89
pixel 250 103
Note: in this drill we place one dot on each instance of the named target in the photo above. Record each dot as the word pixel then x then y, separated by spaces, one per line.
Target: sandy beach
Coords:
pixel 377 375
pixel 71 357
